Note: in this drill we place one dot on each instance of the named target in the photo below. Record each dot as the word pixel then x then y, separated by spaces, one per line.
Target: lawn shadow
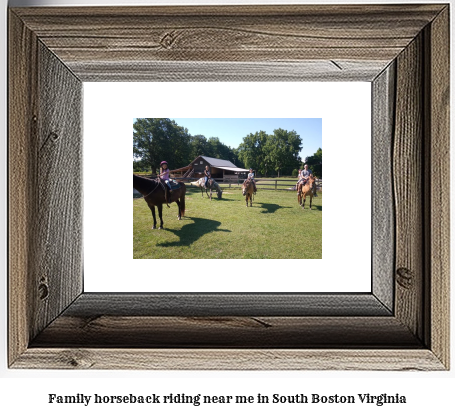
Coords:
pixel 314 207
pixel 271 207
pixel 191 232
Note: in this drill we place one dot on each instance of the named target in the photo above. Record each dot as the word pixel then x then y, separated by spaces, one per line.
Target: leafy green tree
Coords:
pixel 251 151
pixel 315 163
pixel 157 139
pixel 219 150
pixel 198 147
pixel 282 151
pixel 139 165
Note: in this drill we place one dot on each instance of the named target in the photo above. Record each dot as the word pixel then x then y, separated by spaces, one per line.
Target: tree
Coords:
pixel 315 163
pixel 282 151
pixel 198 147
pixel 251 151
pixel 157 139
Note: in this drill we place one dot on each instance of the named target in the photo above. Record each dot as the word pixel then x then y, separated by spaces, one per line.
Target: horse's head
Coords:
pixel 219 193
pixel 311 182
pixel 244 188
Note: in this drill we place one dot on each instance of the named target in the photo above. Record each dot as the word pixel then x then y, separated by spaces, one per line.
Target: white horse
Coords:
pixel 211 185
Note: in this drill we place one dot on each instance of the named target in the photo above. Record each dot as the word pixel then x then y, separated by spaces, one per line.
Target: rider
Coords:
pixel 207 175
pixel 251 177
pixel 164 174
pixel 305 174
pixel 299 177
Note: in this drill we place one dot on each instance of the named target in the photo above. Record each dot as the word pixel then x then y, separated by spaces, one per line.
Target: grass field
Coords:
pixel 275 227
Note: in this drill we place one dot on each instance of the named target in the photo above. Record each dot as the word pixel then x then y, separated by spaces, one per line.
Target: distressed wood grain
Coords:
pixel 437 145
pixel 232 304
pixel 408 188
pixel 382 200
pixel 58 210
pixel 228 359
pixel 227 34
pixel 22 130
pixel 258 332
pixel 194 71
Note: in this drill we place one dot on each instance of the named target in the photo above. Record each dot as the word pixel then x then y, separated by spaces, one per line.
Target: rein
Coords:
pixel 157 184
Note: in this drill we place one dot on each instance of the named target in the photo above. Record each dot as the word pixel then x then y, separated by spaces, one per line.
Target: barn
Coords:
pixel 220 169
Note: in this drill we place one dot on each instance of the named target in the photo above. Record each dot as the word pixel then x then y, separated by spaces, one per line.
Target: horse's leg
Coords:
pixel 311 199
pixel 152 208
pixel 304 199
pixel 251 200
pixel 160 214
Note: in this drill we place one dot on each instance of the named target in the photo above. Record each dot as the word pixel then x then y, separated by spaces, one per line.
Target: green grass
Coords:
pixel 275 227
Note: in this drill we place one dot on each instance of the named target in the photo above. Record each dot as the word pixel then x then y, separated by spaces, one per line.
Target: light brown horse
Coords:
pixel 154 192
pixel 308 189
pixel 248 191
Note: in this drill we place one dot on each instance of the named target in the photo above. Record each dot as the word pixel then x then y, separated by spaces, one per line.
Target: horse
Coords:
pixel 304 190
pixel 248 191
pixel 154 194
pixel 211 185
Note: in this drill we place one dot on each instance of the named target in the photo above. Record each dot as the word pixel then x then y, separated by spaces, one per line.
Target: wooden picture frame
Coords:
pixel 403 324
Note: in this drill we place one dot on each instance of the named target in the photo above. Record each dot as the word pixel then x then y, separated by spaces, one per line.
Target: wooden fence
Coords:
pixel 261 183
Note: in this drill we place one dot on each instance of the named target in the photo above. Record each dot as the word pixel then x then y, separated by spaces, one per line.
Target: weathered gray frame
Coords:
pixel 402 324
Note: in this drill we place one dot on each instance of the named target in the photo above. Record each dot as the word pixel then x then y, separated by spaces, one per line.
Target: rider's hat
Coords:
pixel 163 162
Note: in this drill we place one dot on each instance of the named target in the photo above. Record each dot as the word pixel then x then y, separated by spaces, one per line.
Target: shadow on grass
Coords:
pixel 191 232
pixel 214 196
pixel 271 207
pixel 314 207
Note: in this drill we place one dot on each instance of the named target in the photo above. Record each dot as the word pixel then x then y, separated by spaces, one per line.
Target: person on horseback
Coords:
pixel 207 175
pixel 251 177
pixel 305 174
pixel 164 175
pixel 299 179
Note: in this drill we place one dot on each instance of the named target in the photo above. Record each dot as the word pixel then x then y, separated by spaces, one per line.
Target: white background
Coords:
pixel 344 107
pixel 26 391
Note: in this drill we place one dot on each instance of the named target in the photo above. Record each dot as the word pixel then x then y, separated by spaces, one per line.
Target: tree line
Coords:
pixel 157 139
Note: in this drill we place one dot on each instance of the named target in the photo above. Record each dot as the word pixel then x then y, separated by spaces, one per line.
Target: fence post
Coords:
pixel 276 182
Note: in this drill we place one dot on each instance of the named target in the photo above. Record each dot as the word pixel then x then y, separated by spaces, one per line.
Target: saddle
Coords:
pixel 174 185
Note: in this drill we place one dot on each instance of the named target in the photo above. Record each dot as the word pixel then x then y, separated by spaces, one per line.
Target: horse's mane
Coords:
pixel 142 180
pixel 144 183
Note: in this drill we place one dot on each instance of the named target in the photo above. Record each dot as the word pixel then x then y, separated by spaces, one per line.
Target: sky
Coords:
pixel 231 131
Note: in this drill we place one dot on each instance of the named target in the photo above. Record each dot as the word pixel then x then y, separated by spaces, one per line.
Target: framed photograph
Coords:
pixel 401 323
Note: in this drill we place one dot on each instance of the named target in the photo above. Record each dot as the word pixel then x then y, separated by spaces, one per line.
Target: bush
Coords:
pixel 295 172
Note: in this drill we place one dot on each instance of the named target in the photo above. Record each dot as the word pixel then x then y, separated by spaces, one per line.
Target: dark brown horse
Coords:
pixel 308 189
pixel 155 195
pixel 247 191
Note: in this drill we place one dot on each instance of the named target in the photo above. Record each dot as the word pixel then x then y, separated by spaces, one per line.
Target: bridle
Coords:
pixel 157 184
